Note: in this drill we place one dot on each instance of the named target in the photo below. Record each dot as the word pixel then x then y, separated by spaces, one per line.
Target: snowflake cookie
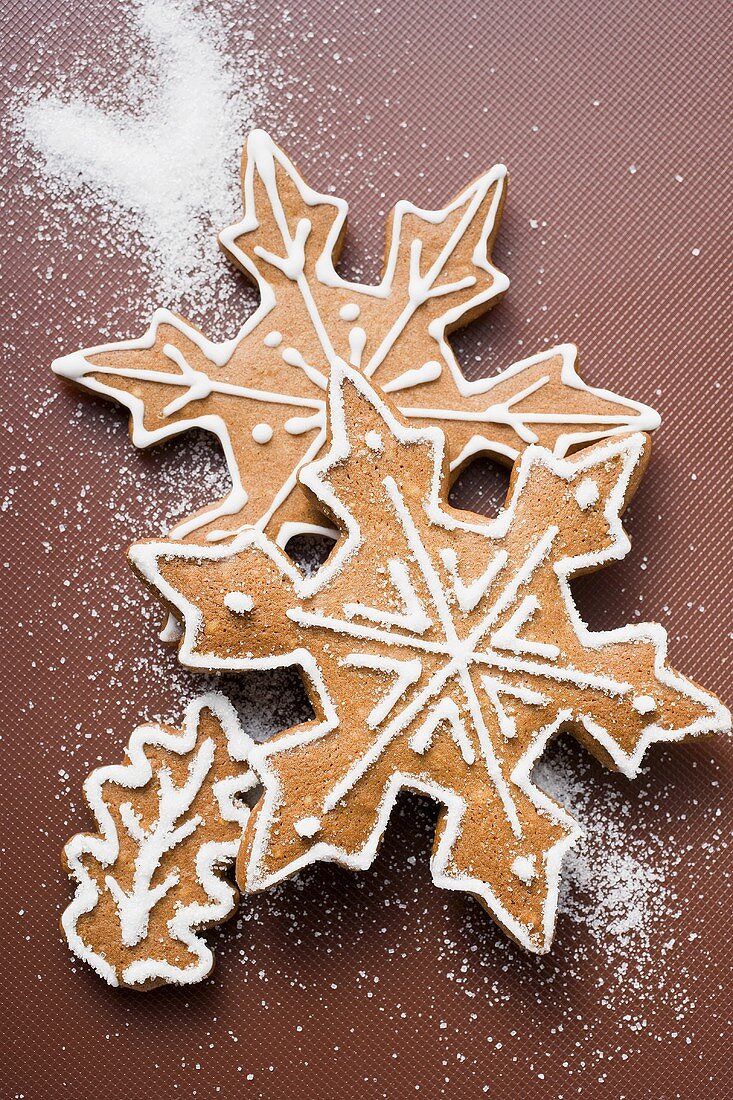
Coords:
pixel 169 822
pixel 441 651
pixel 262 393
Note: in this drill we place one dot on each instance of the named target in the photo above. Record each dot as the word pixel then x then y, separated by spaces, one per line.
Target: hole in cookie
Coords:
pixel 248 798
pixel 482 487
pixel 190 473
pixel 602 598
pixel 268 701
pixel 309 551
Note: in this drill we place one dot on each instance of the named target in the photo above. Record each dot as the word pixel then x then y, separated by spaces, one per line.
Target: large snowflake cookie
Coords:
pixel 170 821
pixel 262 393
pixel 441 651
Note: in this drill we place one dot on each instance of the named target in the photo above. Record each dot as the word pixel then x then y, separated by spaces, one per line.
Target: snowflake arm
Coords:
pixel 539 400
pixel 173 379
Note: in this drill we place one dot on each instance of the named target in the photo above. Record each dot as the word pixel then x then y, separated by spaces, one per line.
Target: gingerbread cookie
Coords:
pixel 262 393
pixel 169 822
pixel 441 651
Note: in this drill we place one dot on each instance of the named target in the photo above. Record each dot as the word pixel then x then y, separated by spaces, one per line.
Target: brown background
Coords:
pixel 346 985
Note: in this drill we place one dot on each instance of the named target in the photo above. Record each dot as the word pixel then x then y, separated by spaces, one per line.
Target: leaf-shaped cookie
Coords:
pixel 170 822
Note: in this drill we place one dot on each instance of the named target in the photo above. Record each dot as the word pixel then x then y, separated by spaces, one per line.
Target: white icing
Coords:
pixel 507 637
pixel 418 702
pixel 445 713
pixel 273 339
pixel 293 264
pixel 428 372
pixel 632 415
pixel 307 826
pixel 374 441
pixel 262 433
pixel 406 673
pixel 78 368
pixel 134 905
pixel 199 384
pixel 357 341
pixel 468 596
pixel 421 286
pixel 299 425
pixel 349 312
pixel 238 602
pixel 523 867
pixel 289 531
pixel 293 358
pixel 587 493
pixel 644 704
pixel 495 688
pixel 413 617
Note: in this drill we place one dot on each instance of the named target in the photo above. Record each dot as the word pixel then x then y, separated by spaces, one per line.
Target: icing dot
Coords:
pixel 587 493
pixel 373 441
pixel 349 312
pixel 643 704
pixel 273 339
pixel 238 602
pixel 307 826
pixel 262 433
pixel 523 868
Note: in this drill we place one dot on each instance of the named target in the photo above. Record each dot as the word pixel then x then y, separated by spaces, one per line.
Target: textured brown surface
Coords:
pixel 295 1001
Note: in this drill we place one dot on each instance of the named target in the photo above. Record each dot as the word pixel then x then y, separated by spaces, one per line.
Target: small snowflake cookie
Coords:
pixel 170 821
pixel 441 652
pixel 262 392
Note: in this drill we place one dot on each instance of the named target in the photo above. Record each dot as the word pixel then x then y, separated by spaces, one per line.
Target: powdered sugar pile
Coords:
pixel 621 876
pixel 163 162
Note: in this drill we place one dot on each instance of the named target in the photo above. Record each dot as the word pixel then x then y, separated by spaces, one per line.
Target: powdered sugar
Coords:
pixel 163 161
pixel 619 873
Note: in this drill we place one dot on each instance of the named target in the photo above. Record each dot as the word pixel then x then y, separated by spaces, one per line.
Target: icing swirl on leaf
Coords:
pixel 169 821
